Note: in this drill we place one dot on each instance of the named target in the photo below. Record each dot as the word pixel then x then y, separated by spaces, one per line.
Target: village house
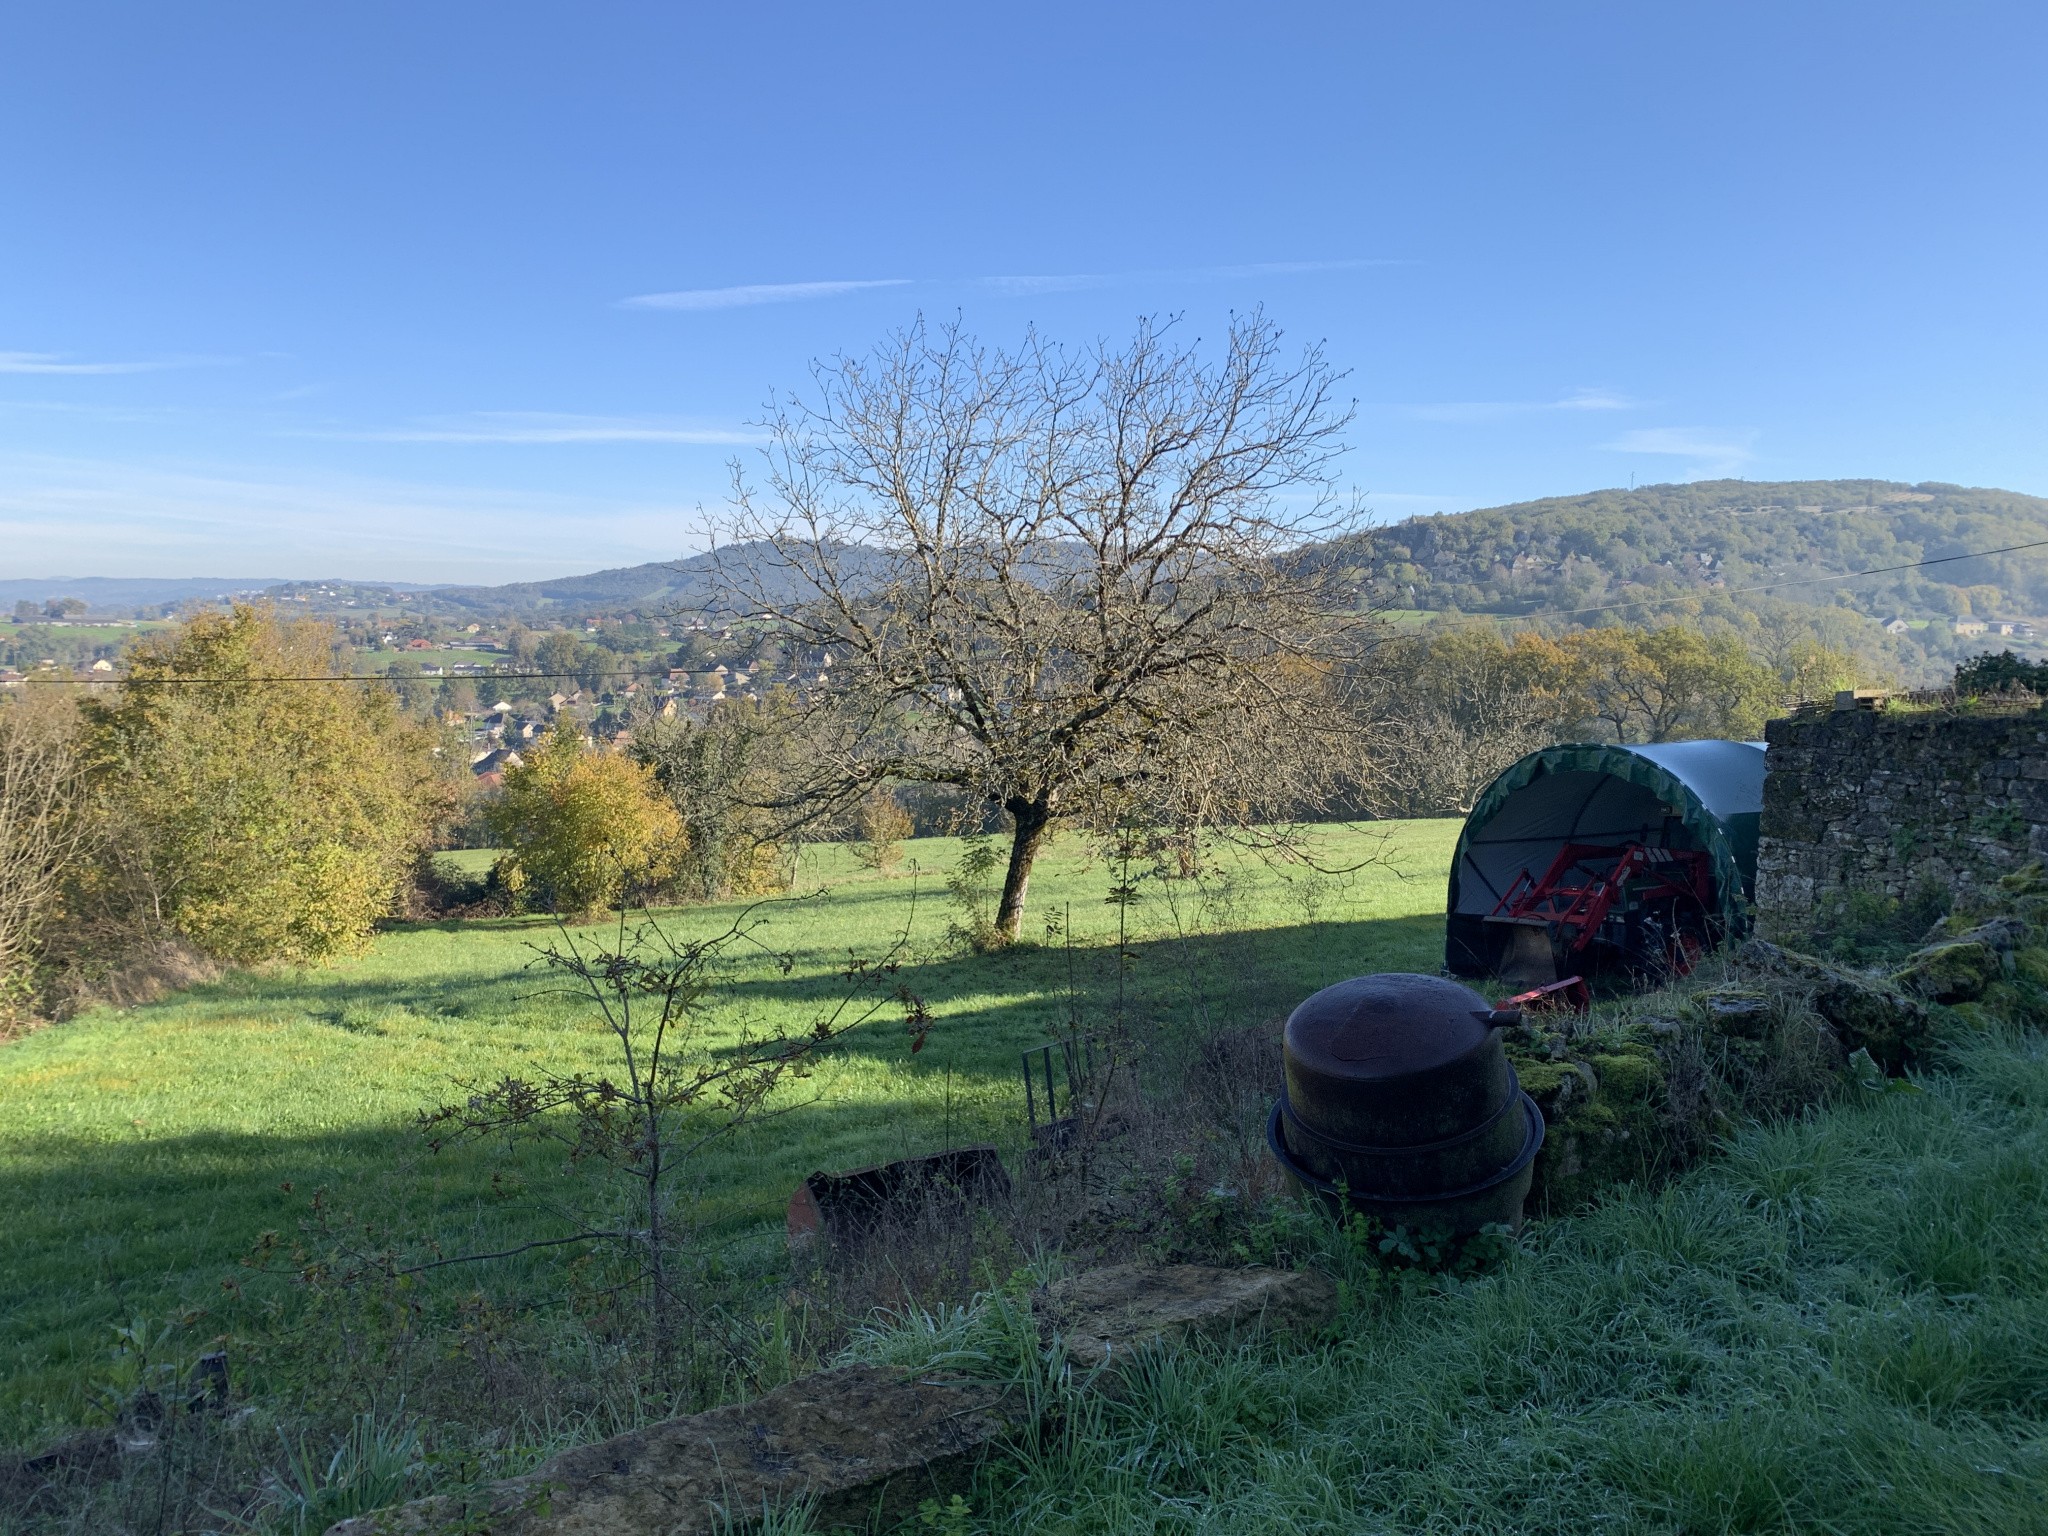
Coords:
pixel 490 767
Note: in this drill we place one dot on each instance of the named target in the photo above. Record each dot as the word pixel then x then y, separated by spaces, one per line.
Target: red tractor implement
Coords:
pixel 1647 909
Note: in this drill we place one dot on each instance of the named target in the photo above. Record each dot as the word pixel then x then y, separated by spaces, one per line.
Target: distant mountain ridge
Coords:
pixel 1576 552
pixel 661 582
pixel 1557 556
pixel 128 591
pixel 1572 552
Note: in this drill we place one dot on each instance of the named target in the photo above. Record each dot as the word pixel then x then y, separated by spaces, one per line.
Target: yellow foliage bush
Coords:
pixel 883 824
pixel 244 807
pixel 584 828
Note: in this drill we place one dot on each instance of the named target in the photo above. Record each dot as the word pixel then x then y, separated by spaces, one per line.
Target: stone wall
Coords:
pixel 1884 800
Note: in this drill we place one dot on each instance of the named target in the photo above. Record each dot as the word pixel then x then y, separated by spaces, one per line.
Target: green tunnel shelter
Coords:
pixel 1702 796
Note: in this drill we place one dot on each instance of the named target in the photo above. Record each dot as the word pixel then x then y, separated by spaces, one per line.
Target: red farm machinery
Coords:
pixel 1648 912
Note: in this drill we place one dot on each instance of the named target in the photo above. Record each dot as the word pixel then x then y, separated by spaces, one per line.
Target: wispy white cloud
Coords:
pixel 1712 450
pixel 1495 410
pixel 1026 285
pixel 1296 268
pixel 1018 285
pixel 56 363
pixel 757 293
pixel 1594 400
pixel 544 427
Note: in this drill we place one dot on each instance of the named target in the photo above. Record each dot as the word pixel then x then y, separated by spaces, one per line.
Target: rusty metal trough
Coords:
pixel 844 1209
pixel 1399 1101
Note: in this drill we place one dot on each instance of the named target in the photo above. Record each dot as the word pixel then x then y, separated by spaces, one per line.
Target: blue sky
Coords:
pixel 377 290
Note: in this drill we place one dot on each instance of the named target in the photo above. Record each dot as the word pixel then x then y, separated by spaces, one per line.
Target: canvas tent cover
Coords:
pixel 1688 794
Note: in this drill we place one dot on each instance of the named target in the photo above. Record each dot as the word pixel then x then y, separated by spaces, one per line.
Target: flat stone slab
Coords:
pixel 867 1443
pixel 1104 1313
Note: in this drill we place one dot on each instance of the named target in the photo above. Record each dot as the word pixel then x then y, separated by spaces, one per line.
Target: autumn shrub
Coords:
pixel 726 777
pixel 242 804
pixel 583 827
pixel 42 831
pixel 883 824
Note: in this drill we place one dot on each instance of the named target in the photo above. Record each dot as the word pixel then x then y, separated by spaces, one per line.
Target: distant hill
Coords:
pixel 1685 547
pixel 121 593
pixel 661 586
pixel 1574 552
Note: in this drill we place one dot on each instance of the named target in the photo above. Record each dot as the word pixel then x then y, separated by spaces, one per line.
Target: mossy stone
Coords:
pixel 1631 1074
pixel 1600 1107
pixel 1867 1012
pixel 1744 1012
pixel 1955 972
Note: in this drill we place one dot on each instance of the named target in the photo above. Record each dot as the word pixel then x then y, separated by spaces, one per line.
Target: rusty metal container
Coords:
pixel 1399 1101
pixel 846 1208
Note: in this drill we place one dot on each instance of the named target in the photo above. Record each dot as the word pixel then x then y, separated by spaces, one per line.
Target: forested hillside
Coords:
pixel 1575 552
pixel 1565 561
pixel 1657 554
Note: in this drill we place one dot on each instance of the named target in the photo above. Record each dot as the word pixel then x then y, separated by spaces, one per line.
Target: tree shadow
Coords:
pixel 103 1227
pixel 1169 986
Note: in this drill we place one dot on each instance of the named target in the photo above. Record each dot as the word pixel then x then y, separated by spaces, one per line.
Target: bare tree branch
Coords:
pixel 1070 584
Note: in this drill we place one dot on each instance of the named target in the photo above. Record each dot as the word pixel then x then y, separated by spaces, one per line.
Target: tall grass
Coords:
pixel 1839 1326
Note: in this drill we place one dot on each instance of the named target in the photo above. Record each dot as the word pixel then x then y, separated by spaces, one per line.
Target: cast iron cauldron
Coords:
pixel 1399 1097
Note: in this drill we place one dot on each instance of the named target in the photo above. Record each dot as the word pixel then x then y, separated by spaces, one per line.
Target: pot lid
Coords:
pixel 1391 1025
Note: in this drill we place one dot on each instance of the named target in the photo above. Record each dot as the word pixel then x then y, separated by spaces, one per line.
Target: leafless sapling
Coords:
pixel 669 1094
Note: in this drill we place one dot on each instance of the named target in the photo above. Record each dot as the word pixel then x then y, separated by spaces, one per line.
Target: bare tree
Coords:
pixel 1071 584
pixel 1457 708
pixel 41 829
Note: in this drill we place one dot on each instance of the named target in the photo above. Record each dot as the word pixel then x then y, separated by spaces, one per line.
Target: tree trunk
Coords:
pixel 661 1316
pixel 1031 818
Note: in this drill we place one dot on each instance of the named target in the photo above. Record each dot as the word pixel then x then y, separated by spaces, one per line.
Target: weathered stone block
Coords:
pixel 867 1443
pixel 1954 972
pixel 1742 1012
pixel 1106 1313
pixel 1865 1011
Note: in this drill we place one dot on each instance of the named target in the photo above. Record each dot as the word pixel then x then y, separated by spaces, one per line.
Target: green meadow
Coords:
pixel 144 1151
pixel 376 663
pixel 1835 1324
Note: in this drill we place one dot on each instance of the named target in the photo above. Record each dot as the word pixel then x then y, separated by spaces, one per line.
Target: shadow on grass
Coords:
pixel 1001 1001
pixel 103 1226
pixel 1168 987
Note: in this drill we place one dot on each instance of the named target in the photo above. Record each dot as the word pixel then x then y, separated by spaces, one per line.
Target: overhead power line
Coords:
pixel 362 677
